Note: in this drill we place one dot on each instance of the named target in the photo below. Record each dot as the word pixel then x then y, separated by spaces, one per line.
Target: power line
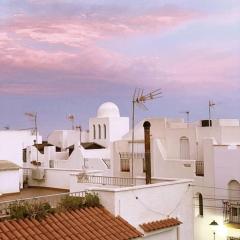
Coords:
pixel 227 189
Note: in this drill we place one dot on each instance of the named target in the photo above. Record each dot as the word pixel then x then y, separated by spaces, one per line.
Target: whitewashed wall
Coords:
pixel 148 203
pixel 9 181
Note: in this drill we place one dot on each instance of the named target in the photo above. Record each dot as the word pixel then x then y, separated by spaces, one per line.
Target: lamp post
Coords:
pixel 214 225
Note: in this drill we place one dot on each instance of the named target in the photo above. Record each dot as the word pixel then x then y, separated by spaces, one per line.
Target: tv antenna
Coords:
pixel 187 113
pixel 211 105
pixel 139 99
pixel 33 116
pixel 71 118
pixel 6 127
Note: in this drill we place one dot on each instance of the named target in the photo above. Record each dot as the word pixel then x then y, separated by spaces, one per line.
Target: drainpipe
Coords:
pixel 147 126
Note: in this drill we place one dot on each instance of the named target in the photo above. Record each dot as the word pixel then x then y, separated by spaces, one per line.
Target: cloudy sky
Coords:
pixel 69 56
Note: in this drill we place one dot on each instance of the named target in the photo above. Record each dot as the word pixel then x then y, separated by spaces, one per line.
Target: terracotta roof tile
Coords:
pixel 161 224
pixel 83 224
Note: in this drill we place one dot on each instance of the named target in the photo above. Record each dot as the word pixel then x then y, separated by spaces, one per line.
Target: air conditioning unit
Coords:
pixel 38 174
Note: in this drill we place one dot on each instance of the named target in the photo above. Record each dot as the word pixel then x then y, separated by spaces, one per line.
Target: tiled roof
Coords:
pixel 89 223
pixel 161 224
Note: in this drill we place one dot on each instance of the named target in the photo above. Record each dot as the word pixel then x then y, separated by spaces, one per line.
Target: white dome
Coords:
pixel 107 110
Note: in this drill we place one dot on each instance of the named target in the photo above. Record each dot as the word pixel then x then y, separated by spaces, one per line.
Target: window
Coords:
pixel 234 211
pixel 94 132
pixel 105 131
pixel 200 202
pixel 99 131
pixel 24 155
pixel 124 162
pixel 184 148
pixel 144 165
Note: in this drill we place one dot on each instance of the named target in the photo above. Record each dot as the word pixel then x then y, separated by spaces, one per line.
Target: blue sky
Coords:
pixel 61 57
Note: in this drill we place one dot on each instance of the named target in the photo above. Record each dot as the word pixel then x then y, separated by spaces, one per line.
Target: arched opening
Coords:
pixel 94 132
pixel 105 131
pixel 199 204
pixel 184 148
pixel 233 208
pixel 99 131
pixel 234 190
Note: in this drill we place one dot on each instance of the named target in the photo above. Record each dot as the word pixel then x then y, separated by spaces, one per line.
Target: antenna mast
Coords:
pixel 33 115
pixel 140 98
pixel 71 118
pixel 211 104
pixel 187 113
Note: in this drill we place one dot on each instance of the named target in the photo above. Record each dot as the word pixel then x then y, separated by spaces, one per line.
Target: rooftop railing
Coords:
pixel 128 155
pixel 103 180
pixel 231 212
pixel 52 199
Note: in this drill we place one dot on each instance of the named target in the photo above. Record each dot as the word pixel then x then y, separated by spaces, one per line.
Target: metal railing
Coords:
pixel 103 180
pixel 231 212
pixel 52 199
pixel 128 155
pixel 200 168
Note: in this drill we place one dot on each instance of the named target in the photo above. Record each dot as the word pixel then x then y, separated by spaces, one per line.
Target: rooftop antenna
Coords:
pixel 187 113
pixel 211 105
pixel 139 99
pixel 33 116
pixel 6 127
pixel 79 127
pixel 71 118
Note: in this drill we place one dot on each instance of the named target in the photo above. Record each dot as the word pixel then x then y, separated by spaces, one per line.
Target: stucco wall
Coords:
pixel 143 204
pixel 9 181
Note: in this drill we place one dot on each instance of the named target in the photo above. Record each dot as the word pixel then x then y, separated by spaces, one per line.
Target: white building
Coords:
pixel 12 143
pixel 161 210
pixel 63 154
pixel 209 155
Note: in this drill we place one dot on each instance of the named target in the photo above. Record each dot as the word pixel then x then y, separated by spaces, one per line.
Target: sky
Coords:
pixel 60 57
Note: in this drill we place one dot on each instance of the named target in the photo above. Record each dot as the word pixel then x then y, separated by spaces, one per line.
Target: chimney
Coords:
pixel 147 126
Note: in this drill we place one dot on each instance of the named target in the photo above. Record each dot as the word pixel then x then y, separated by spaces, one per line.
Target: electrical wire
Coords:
pixel 163 214
pixel 227 189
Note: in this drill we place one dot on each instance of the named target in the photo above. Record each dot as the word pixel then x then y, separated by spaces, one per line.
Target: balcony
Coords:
pixel 200 168
pixel 231 214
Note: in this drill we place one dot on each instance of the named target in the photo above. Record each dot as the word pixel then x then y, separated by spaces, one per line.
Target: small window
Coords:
pixel 94 132
pixel 99 131
pixel 144 165
pixel 234 211
pixel 105 131
pixel 200 202
pixel 125 167
pixel 24 155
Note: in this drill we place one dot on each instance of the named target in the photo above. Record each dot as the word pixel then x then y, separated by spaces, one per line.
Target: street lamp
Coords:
pixel 214 225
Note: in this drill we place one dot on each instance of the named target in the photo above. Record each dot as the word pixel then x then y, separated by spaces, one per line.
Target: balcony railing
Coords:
pixel 200 168
pixel 231 212
pixel 52 199
pixel 128 155
pixel 103 180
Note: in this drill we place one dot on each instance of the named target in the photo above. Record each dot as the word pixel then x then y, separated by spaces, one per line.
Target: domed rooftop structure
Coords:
pixel 108 110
